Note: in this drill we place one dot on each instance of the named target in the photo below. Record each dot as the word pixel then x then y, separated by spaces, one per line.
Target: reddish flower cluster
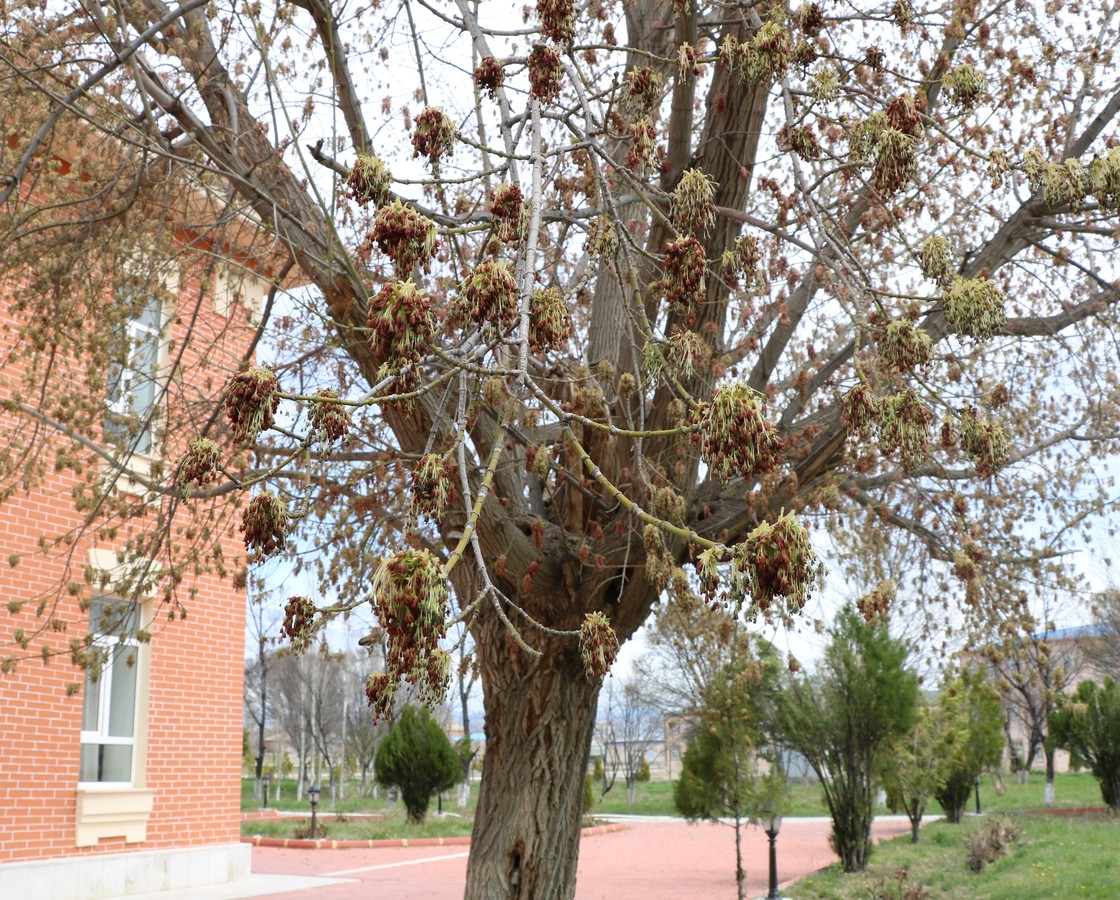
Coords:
pixel 810 19
pixel 410 599
pixel 251 400
pixel 645 87
pixel 736 437
pixel 402 325
pixel 544 73
pixel 598 645
pixel 777 560
pixel 200 463
pixel 550 325
pixel 897 146
pixel 692 208
pixel 685 266
pixel 405 236
pixel 860 410
pixel 266 524
pixel 329 416
pixel 434 135
pixel 558 20
pixel 507 206
pixel 800 140
pixel 488 296
pixel 489 75
pixel 299 617
pixel 381 687
pixel 433 485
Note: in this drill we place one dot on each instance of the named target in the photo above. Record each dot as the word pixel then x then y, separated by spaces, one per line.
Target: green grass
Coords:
pixel 394 825
pixel 357 800
pixel 1057 856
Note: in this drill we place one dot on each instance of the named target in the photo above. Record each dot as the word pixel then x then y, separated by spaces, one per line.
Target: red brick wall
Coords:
pixel 194 716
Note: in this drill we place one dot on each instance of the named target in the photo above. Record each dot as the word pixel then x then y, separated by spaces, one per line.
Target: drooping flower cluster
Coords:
pixel 897 146
pixel 860 409
pixel 742 260
pixel 433 485
pixel 598 645
pixel 265 524
pixel 873 606
pixel 776 560
pixel 507 206
pixel 489 75
pixel 692 209
pixel 250 402
pixel 735 435
pixel 550 324
pixel 903 346
pixel 369 180
pixel 402 325
pixel 381 688
pixel 644 87
pixel 904 423
pixel 405 236
pixel 686 353
pixel 965 85
pixel 200 463
pixel 986 442
pixel 936 259
pixel 544 73
pixel 684 267
pixel 1104 178
pixel 410 599
pixel 299 619
pixel 766 55
pixel 641 156
pixel 558 20
pixel 328 416
pixel 488 296
pixel 434 135
pixel 974 307
pixel 800 140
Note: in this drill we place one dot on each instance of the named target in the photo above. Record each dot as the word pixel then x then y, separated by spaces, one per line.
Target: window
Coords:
pixel 132 392
pixel 109 701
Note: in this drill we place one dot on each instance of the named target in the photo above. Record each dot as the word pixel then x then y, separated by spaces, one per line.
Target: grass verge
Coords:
pixel 1056 856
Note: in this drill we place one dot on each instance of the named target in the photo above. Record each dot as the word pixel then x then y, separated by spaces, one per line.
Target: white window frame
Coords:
pixel 144 339
pixel 108 645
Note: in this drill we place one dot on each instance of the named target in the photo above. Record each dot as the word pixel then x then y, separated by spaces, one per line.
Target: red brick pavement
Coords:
pixel 651 859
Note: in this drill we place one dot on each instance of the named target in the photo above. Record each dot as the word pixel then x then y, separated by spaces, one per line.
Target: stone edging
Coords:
pixel 307 844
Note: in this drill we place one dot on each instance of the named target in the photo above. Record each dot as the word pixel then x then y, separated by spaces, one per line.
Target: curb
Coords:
pixel 307 844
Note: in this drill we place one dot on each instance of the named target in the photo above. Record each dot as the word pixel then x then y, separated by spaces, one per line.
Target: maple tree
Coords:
pixel 614 303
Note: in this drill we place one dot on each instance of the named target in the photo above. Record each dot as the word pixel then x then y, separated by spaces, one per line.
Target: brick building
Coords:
pixel 123 775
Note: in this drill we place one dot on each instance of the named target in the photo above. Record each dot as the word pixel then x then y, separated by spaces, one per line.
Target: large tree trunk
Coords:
pixel 539 718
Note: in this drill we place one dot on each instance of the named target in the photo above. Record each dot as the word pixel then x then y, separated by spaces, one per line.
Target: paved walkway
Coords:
pixel 652 858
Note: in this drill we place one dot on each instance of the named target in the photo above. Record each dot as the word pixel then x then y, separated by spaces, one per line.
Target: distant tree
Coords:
pixel 721 776
pixel 971 740
pixel 1102 649
pixel 418 759
pixel 629 721
pixel 1088 725
pixel 862 697
pixel 914 766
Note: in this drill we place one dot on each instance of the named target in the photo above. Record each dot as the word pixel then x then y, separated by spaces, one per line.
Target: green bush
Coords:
pixel 643 770
pixel 588 795
pixel 417 758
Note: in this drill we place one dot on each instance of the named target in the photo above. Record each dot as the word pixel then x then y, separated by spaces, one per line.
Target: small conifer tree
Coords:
pixel 417 758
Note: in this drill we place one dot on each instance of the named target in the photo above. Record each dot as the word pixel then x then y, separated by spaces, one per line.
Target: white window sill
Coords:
pixel 109 811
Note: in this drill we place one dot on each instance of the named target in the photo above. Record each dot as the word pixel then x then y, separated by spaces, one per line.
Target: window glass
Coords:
pixel 131 396
pixel 109 701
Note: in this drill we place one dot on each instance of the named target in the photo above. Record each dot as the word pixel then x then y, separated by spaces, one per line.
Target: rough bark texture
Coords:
pixel 539 718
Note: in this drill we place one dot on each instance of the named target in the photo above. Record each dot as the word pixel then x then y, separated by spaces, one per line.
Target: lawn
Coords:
pixel 1057 856
pixel 394 824
pixel 357 799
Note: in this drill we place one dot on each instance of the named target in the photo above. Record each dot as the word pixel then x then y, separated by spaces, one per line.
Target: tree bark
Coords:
pixel 539 717
pixel 1048 791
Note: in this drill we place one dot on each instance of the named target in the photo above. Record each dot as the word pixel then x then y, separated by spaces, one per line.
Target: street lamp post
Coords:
pixel 313 796
pixel 771 821
pixel 266 784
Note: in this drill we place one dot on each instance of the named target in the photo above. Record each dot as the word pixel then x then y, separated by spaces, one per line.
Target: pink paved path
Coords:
pixel 651 859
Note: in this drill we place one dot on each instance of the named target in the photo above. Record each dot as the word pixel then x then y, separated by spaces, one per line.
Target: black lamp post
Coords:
pixel 977 795
pixel 771 822
pixel 313 796
pixel 266 783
